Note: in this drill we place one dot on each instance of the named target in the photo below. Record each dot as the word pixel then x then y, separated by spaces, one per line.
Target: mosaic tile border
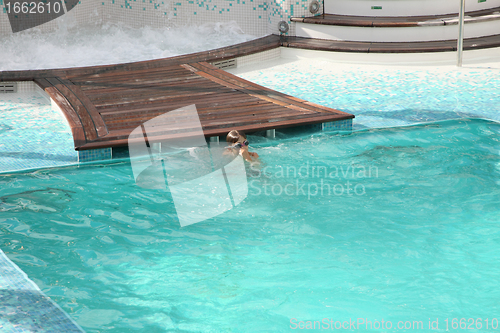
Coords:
pixel 256 17
pixel 29 87
pixel 25 308
pixel 283 10
pixel 339 125
pixel 95 155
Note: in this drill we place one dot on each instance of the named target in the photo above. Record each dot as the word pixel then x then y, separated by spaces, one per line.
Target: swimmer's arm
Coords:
pixel 246 155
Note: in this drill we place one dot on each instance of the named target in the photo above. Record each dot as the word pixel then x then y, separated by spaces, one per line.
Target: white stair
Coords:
pixel 398 28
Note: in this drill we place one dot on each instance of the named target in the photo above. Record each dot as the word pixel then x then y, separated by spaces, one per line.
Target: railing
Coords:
pixel 460 41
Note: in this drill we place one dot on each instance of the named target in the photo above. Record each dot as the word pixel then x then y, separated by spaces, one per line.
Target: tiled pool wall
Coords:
pixel 31 87
pixel 255 17
pixel 339 125
pixel 259 57
pixel 95 155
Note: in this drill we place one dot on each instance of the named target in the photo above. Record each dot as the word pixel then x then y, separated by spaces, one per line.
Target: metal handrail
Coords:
pixel 460 42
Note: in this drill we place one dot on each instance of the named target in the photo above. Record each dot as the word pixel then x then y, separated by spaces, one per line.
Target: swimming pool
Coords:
pixel 32 134
pixel 414 239
pixel 385 96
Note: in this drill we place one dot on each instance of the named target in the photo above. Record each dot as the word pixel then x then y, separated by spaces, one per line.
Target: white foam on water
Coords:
pixel 71 46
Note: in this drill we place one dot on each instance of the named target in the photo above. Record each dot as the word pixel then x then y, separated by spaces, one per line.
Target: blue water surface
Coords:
pixel 398 224
pixel 32 134
pixel 385 96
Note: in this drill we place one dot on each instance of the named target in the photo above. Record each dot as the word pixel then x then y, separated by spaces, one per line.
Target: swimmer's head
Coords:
pixel 235 136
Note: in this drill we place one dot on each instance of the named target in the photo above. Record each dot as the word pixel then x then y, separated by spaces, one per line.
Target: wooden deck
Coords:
pixel 103 104
pixel 390 47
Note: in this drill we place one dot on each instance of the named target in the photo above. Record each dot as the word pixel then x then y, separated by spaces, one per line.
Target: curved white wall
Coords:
pixel 403 7
pixel 485 58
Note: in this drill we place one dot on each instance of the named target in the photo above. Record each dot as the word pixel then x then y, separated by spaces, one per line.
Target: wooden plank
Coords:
pixel 249 107
pixel 202 102
pixel 300 120
pixel 68 112
pixel 192 69
pixel 131 79
pixel 263 114
pixel 328 45
pixel 159 90
pixel 205 118
pixel 106 87
pixel 257 90
pixel 390 47
pixel 248 87
pixel 99 124
pixel 217 80
pixel 130 74
pixel 212 102
pixel 88 125
pixel 25 75
pixel 156 99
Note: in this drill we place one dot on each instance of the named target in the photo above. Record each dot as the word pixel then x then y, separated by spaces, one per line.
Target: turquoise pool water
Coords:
pixel 32 134
pixel 385 96
pixel 417 237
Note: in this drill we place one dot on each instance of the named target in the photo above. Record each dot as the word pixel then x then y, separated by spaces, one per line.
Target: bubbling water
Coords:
pixel 111 44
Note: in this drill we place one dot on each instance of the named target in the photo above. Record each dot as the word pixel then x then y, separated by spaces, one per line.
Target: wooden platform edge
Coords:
pixel 228 52
pixel 224 130
pixel 88 125
pixel 314 44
